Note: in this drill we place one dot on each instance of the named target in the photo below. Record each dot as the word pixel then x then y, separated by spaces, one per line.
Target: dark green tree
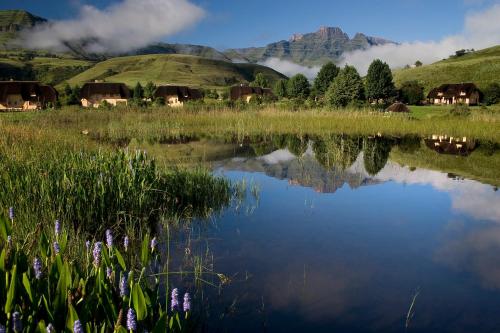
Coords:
pixel 379 82
pixel 347 88
pixel 138 91
pixel 149 91
pixel 411 92
pixel 260 81
pixel 298 87
pixel 491 95
pixel 280 88
pixel 418 63
pixel 325 77
pixel 71 96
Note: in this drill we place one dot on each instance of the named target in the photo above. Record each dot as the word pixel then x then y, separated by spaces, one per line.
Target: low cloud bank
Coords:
pixel 290 68
pixel 118 28
pixel 481 30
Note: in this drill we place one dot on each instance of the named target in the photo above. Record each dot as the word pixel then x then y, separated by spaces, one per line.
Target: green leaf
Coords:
pixel 139 302
pixel 11 293
pixel 145 251
pixel 120 260
pixel 162 324
pixel 72 317
pixel 27 286
pixel 5 228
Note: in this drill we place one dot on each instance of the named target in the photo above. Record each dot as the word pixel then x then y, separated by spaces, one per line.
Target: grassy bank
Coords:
pixel 165 125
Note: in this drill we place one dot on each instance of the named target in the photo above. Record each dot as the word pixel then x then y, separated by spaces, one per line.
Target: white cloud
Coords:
pixel 119 28
pixel 290 68
pixel 481 30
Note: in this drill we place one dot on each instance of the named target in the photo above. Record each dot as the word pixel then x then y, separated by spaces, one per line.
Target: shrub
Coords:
pixel 460 110
pixel 491 95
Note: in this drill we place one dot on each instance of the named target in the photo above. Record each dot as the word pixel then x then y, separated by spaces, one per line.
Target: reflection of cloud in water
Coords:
pixel 278 156
pixel 473 251
pixel 468 196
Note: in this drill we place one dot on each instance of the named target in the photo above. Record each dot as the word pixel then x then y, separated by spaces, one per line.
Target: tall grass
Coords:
pixel 102 188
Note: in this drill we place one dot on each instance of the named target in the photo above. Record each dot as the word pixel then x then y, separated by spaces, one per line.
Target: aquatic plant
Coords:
pixel 82 298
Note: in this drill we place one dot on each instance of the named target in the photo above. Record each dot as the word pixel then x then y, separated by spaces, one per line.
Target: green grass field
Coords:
pixel 174 69
pixel 480 67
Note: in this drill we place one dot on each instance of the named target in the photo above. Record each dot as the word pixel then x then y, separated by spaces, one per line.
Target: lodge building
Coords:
pixel 448 94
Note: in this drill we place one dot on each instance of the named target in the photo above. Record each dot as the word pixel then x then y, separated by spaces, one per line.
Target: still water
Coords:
pixel 321 244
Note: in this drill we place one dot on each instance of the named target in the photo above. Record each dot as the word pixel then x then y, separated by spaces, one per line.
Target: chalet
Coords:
pixel 25 95
pixel 463 93
pixel 246 93
pixel 93 94
pixel 175 96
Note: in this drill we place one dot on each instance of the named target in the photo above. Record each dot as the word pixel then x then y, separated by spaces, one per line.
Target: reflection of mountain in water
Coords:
pixel 305 170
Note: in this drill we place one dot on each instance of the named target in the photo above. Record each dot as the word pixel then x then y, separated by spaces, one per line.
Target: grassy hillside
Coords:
pixel 481 67
pixel 12 21
pixel 174 69
pixel 46 69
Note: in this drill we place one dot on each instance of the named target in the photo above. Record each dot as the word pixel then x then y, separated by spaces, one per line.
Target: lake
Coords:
pixel 355 235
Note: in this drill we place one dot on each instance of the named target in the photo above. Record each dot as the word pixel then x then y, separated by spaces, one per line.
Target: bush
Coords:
pixel 460 110
pixel 411 93
pixel 491 95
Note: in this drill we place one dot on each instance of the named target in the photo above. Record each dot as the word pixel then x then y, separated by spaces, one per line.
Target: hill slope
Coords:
pixel 13 21
pixel 327 44
pixel 174 69
pixel 480 67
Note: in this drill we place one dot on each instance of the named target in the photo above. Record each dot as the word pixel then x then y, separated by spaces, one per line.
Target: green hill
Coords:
pixel 13 21
pixel 174 69
pixel 480 67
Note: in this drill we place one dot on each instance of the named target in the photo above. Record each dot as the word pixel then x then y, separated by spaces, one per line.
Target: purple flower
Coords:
pixel 131 320
pixel 174 304
pixel 50 328
pixel 126 243
pixel 11 213
pixel 2 328
pixel 109 272
pixel 96 253
pixel 109 239
pixel 187 302
pixel 57 248
pixel 77 327
pixel 17 325
pixel 37 267
pixel 57 228
pixel 154 243
pixel 124 285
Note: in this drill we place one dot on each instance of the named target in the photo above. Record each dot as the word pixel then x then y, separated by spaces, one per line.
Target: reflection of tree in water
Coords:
pixel 376 153
pixel 296 144
pixel 337 150
pixel 410 144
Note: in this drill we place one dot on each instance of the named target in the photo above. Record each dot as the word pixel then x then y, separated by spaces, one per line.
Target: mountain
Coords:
pixel 13 21
pixel 480 67
pixel 327 44
pixel 174 69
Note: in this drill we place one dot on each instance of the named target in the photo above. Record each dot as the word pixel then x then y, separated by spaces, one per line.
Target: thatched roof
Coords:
pixel 29 90
pixel 237 92
pixel 48 94
pixel 104 88
pixel 397 107
pixel 182 92
pixel 453 90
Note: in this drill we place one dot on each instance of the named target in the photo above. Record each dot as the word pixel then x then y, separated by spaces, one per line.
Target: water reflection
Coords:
pixel 347 228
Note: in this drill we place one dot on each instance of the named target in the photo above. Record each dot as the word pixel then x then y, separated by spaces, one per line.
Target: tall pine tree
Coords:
pixel 379 82
pixel 325 77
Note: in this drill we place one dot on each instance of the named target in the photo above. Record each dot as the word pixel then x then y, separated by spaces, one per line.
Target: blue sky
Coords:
pixel 234 23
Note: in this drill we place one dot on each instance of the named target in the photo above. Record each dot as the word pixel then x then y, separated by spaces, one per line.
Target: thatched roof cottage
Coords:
pixel 462 93
pixel 398 107
pixel 175 96
pixel 246 93
pixel 93 94
pixel 25 95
